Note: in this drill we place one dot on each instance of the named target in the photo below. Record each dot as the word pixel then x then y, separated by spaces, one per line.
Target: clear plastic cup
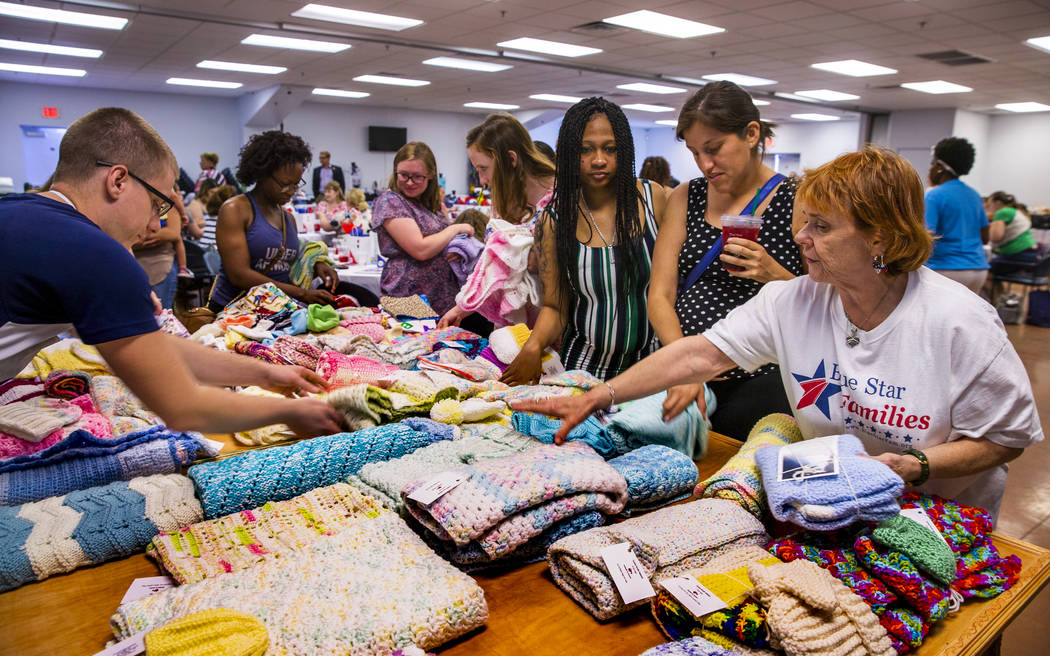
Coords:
pixel 742 226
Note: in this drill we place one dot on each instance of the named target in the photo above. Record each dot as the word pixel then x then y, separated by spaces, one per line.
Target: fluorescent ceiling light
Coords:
pixel 936 86
pixel 742 80
pixel 791 96
pixel 553 97
pixel 641 107
pixel 243 68
pixel 212 84
pixel 488 105
pixel 395 81
pixel 1023 107
pixel 340 93
pixel 815 117
pixel 26 46
pixel 354 17
pixel 669 122
pixel 854 68
pixel 62 16
pixel 657 23
pixel 645 87
pixel 548 47
pixel 42 70
pixel 759 103
pixel 466 64
pixel 826 94
pixel 1041 42
pixel 294 44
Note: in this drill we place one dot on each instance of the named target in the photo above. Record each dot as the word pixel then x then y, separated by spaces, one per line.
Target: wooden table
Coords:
pixel 69 614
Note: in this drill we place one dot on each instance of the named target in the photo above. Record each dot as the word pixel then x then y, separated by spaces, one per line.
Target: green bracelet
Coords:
pixel 924 464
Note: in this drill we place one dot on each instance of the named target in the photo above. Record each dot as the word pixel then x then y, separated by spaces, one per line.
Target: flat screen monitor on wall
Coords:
pixel 386 139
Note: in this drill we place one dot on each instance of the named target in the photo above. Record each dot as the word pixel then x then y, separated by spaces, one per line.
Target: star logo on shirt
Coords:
pixel 889 435
pixel 908 438
pixel 816 390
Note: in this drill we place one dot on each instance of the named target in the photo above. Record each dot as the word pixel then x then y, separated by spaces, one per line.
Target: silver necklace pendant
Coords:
pixel 852 339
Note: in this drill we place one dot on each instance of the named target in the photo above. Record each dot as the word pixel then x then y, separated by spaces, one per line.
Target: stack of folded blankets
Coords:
pixel 864 489
pixel 668 542
pixel 85 527
pixel 739 480
pixel 83 460
pixel 251 478
pixel 329 574
pixel 502 504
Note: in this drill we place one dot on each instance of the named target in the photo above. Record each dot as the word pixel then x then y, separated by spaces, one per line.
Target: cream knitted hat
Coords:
pixel 35 419
pixel 810 613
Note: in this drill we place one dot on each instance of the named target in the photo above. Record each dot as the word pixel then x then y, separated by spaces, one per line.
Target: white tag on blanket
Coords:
pixel 808 459
pixel 418 325
pixel 631 580
pixel 451 343
pixel 144 587
pixel 432 490
pixel 697 599
pixel 919 515
pixel 133 646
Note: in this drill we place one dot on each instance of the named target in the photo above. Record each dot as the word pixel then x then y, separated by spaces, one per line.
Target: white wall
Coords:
pixel 343 131
pixel 190 124
pixel 1018 160
pixel 975 128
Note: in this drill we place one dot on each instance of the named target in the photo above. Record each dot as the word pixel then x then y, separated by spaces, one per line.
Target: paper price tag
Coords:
pixel 808 459
pixel 697 599
pixel 631 580
pixel 919 515
pixel 144 587
pixel 432 490
pixel 133 646
pixel 451 343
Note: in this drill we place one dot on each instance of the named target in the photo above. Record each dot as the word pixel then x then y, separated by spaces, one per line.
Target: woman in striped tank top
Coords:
pixel 596 243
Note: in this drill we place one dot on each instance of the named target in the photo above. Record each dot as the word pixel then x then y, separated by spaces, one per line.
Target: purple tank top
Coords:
pixel 264 242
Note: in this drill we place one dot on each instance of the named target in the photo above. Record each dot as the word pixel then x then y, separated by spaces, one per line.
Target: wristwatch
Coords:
pixel 924 464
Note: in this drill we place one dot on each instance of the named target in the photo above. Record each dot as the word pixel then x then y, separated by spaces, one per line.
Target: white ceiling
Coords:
pixel 768 38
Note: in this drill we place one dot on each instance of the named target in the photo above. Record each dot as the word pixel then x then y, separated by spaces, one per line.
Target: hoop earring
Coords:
pixel 878 263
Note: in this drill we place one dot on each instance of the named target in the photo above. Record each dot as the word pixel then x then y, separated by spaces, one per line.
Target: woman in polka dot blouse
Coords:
pixel 722 128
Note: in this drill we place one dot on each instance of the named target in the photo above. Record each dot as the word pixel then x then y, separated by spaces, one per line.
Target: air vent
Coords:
pixel 598 27
pixel 955 58
pixel 587 93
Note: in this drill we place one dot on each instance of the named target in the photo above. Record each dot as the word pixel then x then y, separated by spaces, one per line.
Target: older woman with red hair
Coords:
pixel 870 342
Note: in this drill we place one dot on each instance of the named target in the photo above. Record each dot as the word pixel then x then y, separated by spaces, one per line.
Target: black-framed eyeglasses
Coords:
pixel 165 203
pixel 294 186
pixel 414 178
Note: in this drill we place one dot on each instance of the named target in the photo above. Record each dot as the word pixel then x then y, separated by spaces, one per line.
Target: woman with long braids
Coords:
pixel 596 242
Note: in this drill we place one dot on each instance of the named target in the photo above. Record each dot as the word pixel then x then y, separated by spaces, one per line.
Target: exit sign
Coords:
pixel 50 112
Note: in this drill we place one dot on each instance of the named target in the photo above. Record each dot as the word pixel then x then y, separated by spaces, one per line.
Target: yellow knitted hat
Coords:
pixel 520 332
pixel 212 632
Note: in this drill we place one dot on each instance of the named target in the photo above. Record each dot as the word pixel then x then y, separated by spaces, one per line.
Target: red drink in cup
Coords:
pixel 741 226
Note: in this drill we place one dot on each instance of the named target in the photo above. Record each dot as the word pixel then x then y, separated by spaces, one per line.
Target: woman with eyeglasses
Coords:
pixel 257 238
pixel 413 232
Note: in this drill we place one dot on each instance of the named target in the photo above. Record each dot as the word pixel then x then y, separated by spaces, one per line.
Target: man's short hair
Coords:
pixel 325 153
pixel 112 134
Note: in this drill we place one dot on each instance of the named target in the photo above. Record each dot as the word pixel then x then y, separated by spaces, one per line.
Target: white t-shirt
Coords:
pixel 939 368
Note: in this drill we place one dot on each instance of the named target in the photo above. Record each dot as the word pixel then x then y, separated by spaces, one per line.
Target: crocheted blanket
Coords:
pixel 694 646
pixel 251 478
pixel 60 534
pixel 667 542
pixel 125 411
pixel 505 502
pixel 739 479
pixel 656 476
pixel 370 589
pixel 500 288
pixel 641 422
pixel 83 460
pixel 241 540
pixel 385 480
pixel 864 489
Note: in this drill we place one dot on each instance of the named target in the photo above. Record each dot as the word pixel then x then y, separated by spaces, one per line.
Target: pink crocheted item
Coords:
pixel 20 389
pixel 340 370
pixel 373 331
pixel 297 351
pixel 500 288
pixel 90 420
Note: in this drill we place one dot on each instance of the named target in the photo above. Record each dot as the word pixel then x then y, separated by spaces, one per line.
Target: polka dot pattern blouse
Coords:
pixel 717 292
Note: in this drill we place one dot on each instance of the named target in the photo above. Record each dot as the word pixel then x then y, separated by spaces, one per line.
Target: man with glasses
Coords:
pixel 65 263
pixel 326 173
